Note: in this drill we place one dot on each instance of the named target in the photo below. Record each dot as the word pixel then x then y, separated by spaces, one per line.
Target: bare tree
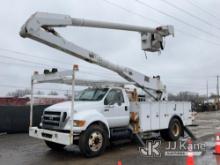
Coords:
pixel 40 93
pixel 19 93
pixel 187 96
pixel 52 93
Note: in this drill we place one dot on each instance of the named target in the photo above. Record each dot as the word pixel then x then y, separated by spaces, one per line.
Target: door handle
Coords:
pixel 106 110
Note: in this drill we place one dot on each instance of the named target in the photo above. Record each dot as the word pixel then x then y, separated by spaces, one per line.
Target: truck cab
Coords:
pixel 93 104
pixel 99 109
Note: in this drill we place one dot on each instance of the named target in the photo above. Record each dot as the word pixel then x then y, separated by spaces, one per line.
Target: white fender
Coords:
pixel 90 116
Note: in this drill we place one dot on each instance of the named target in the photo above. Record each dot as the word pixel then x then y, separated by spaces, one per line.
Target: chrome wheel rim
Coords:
pixel 176 129
pixel 95 141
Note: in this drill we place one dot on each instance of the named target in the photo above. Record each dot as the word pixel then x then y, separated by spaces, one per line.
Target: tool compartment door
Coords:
pixel 144 113
pixel 179 109
pixel 164 117
pixel 155 115
pixel 145 117
pixel 187 113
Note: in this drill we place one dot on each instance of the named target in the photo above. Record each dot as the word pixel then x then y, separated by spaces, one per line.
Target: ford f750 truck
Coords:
pixel 106 110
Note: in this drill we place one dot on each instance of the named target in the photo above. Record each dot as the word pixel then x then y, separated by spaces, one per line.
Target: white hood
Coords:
pixel 78 106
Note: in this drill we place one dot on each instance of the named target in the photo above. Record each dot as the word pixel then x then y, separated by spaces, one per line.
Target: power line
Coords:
pixel 182 85
pixel 26 61
pixel 177 19
pixel 197 37
pixel 130 11
pixel 47 59
pixel 23 65
pixel 40 65
pixel 201 9
pixel 190 14
pixel 31 55
pixel 155 21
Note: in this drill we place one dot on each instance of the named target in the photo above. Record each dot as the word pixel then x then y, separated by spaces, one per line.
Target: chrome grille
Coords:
pixel 51 119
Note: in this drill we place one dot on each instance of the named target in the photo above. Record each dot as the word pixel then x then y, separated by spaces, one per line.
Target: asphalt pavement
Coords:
pixel 20 149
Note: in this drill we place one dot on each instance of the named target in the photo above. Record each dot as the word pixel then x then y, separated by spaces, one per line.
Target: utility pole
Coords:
pixel 207 91
pixel 217 92
pixel 67 93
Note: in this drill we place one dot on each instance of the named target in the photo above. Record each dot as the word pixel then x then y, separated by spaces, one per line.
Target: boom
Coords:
pixel 40 27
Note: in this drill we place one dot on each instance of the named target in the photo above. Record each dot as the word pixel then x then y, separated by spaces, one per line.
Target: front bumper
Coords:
pixel 53 136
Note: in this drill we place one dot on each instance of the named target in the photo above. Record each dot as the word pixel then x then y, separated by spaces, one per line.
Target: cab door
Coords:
pixel 116 109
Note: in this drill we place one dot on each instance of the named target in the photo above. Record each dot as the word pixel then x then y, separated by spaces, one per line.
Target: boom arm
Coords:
pixel 40 27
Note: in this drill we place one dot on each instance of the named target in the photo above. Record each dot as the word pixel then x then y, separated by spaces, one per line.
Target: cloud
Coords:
pixel 185 64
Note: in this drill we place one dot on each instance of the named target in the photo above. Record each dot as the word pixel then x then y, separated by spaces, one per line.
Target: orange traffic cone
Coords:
pixel 189 158
pixel 119 162
pixel 217 144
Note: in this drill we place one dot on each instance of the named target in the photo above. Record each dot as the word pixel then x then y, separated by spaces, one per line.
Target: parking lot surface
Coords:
pixel 20 149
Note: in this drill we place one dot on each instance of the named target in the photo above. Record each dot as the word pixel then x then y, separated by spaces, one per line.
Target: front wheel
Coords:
pixel 93 141
pixel 173 132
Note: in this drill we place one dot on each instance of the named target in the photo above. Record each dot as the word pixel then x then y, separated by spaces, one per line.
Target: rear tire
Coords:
pixel 173 132
pixel 93 141
pixel 54 146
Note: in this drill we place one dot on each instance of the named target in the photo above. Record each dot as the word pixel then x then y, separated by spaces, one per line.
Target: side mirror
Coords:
pixel 105 102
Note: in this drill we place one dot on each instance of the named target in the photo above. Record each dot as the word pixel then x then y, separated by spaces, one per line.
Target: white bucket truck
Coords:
pixel 107 110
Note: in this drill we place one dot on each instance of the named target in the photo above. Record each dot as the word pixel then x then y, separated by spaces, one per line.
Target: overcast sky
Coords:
pixel 189 60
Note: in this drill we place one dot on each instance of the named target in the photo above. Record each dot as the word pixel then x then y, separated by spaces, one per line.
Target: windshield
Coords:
pixel 93 94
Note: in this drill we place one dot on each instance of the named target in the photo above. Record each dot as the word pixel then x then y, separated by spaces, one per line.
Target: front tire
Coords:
pixel 93 141
pixel 54 146
pixel 173 132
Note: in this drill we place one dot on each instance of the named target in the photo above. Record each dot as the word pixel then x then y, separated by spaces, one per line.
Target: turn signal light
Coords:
pixel 79 123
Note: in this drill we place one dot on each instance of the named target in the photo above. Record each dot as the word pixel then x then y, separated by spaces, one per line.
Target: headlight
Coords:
pixel 79 123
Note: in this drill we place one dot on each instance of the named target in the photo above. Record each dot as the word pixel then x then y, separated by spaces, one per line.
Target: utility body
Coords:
pixel 106 111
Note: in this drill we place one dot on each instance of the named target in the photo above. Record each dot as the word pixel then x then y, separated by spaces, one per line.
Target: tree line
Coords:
pixel 23 92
